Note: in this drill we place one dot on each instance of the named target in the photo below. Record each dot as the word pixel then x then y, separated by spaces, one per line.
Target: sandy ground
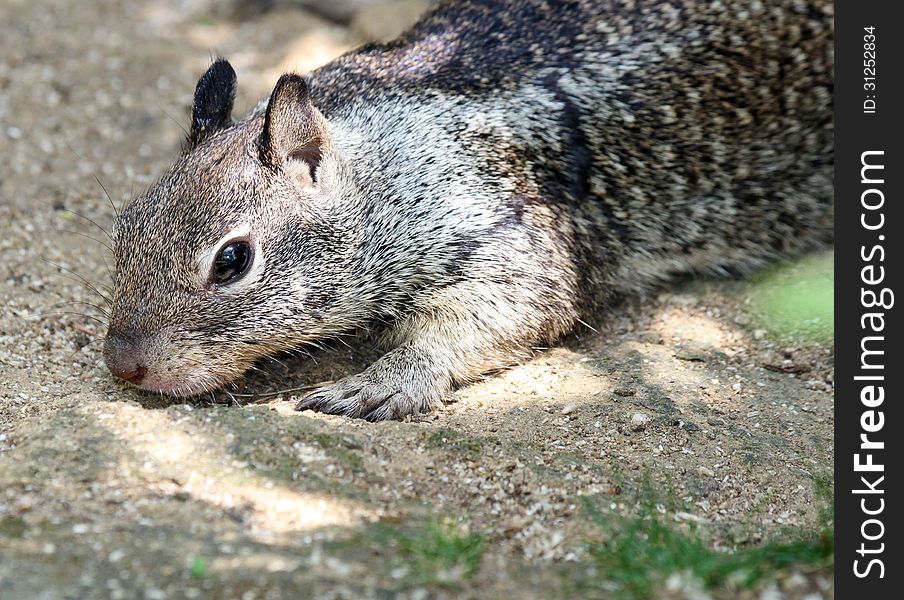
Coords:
pixel 109 492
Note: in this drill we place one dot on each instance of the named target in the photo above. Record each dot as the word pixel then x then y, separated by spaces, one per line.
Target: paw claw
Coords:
pixel 313 401
pixel 377 414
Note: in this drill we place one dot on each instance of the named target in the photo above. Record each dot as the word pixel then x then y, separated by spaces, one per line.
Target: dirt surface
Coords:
pixel 109 492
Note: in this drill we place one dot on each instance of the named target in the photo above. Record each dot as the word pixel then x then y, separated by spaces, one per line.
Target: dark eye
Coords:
pixel 232 262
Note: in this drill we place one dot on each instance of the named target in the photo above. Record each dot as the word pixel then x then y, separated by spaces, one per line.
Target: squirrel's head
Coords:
pixel 237 252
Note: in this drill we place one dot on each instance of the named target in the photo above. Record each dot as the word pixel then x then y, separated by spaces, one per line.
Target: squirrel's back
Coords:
pixel 667 136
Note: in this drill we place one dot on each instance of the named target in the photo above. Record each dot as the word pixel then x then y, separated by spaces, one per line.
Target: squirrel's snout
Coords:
pixel 123 358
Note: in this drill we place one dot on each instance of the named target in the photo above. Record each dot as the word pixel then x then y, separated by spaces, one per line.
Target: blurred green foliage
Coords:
pixel 796 299
pixel 199 567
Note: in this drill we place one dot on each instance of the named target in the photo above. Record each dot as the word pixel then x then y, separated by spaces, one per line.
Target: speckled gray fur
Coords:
pixel 480 185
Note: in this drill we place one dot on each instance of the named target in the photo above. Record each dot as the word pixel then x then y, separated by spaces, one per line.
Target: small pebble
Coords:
pixel 639 421
pixel 153 593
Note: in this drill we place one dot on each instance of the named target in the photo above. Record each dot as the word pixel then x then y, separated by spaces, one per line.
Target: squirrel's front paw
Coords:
pixel 386 390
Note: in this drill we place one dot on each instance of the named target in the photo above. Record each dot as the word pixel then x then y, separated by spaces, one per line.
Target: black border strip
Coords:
pixel 868 261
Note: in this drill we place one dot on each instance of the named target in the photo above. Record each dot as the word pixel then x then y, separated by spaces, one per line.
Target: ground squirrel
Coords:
pixel 475 188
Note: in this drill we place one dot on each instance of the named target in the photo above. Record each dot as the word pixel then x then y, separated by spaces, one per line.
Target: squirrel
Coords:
pixel 476 188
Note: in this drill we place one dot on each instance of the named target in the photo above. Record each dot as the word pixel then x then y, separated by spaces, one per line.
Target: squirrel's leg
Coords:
pixel 453 337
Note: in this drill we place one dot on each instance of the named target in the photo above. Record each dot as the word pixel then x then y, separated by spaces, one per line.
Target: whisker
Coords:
pixel 78 281
pixel 90 285
pixel 174 120
pixel 39 316
pixel 103 311
pixel 276 360
pixel 266 395
pixel 234 401
pixel 80 157
pixel 90 237
pixel 107 194
pixel 587 325
pixel 107 266
pixel 93 222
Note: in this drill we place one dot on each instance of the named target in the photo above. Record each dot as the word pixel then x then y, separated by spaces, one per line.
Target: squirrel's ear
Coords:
pixel 214 96
pixel 294 131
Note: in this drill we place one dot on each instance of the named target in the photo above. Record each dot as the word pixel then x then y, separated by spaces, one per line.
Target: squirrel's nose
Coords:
pixel 123 357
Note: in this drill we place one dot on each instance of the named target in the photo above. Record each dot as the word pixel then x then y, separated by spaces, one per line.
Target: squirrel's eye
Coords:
pixel 232 262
